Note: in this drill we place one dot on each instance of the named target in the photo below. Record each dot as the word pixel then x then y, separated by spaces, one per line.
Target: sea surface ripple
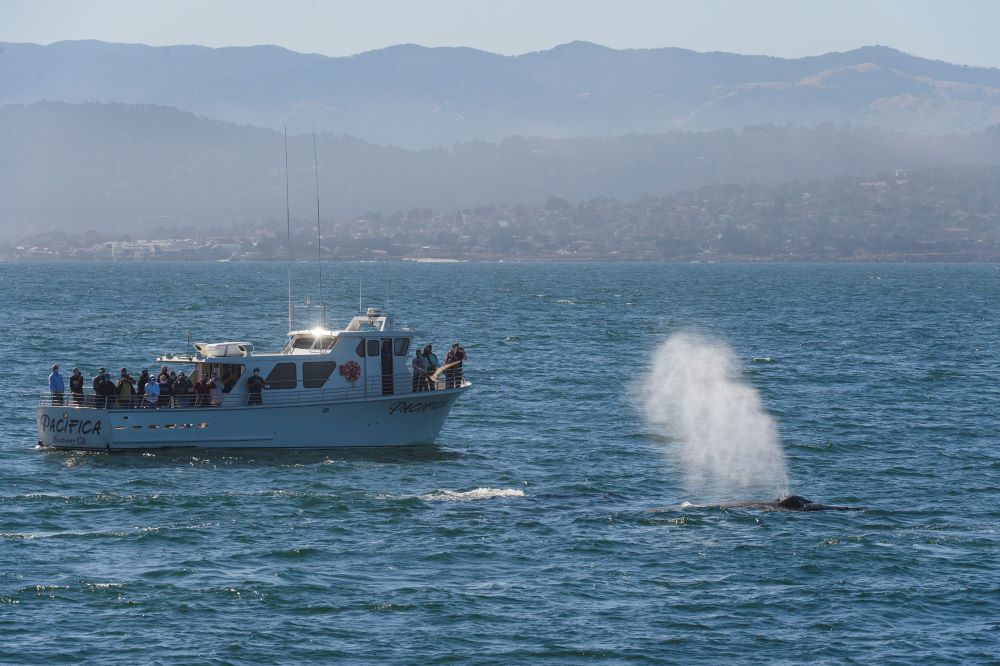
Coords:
pixel 525 535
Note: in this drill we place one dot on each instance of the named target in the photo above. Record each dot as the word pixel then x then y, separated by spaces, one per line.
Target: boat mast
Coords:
pixel 288 223
pixel 319 235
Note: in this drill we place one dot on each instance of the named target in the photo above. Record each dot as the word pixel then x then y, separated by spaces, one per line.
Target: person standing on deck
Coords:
pixel 97 385
pixel 152 393
pixel 454 373
pixel 182 390
pixel 140 385
pixel 163 383
pixel 76 386
pixel 419 364
pixel 432 364
pixel 215 390
pixel 56 386
pixel 254 386
pixel 110 390
pixel 201 392
pixel 125 389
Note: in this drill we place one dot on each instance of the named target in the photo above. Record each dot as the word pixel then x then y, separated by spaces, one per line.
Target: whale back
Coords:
pixel 793 502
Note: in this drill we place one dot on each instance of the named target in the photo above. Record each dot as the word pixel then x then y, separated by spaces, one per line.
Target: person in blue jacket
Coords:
pixel 56 386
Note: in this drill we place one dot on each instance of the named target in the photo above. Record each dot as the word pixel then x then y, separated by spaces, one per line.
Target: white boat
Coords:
pixel 324 389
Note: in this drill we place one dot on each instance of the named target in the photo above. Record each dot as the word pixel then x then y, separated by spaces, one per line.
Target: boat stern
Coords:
pixel 70 427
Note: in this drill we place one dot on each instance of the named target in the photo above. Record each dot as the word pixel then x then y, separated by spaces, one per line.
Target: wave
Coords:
pixel 471 495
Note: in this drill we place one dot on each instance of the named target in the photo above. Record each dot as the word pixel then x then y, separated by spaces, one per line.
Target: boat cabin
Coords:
pixel 370 356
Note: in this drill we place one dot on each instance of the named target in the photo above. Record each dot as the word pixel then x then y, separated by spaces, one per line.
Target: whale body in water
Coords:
pixel 789 503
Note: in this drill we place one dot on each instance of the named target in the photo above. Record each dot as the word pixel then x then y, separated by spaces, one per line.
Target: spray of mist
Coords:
pixel 726 443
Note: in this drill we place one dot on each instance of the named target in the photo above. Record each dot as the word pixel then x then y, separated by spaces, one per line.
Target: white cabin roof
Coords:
pixel 316 340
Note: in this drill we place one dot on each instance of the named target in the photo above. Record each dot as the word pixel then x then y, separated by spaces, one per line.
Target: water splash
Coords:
pixel 728 445
pixel 472 495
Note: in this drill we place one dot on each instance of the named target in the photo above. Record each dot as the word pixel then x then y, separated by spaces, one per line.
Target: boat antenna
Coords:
pixel 288 223
pixel 360 283
pixel 319 235
pixel 387 294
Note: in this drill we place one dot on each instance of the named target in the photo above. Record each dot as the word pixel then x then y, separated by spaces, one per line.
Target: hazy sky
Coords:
pixel 960 31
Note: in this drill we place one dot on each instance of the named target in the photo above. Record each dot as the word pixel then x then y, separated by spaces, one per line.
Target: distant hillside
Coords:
pixel 117 166
pixel 939 214
pixel 419 97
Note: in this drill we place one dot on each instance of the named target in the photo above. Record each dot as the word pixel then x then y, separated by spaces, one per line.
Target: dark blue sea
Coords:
pixel 527 534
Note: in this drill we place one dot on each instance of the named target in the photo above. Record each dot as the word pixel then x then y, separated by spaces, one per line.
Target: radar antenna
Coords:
pixel 319 235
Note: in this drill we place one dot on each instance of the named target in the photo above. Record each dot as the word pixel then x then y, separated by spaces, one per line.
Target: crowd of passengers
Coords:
pixel 167 389
pixel 175 389
pixel 425 363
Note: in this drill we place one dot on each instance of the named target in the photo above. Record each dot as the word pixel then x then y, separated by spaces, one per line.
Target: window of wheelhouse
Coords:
pixel 325 342
pixel 401 346
pixel 282 376
pixel 374 348
pixel 304 342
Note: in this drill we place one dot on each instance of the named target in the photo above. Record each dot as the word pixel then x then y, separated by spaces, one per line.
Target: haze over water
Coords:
pixel 525 535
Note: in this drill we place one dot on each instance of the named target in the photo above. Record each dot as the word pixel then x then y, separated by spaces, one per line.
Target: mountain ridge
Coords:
pixel 114 166
pixel 418 97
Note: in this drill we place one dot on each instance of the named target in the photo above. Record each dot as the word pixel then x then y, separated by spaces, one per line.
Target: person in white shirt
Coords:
pixel 215 390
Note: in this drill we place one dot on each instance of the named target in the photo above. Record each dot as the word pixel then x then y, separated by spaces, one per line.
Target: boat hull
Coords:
pixel 404 420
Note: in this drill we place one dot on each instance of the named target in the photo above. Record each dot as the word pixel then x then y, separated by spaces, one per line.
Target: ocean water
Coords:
pixel 527 534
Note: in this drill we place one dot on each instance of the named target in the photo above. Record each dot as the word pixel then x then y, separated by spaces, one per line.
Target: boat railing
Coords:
pixel 401 384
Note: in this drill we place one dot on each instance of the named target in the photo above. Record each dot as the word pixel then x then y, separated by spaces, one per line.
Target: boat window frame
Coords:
pixel 207 369
pixel 284 383
pixel 374 347
pixel 400 349
pixel 310 382
pixel 320 345
pixel 310 339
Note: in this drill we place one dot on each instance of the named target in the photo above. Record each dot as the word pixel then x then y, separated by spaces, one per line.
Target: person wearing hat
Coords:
pixel 56 386
pixel 100 397
pixel 255 383
pixel 182 389
pixel 140 385
pixel 76 386
pixel 125 388
pixel 110 390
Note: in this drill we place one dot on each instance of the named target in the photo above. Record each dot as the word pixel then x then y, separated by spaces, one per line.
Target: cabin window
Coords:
pixel 374 348
pixel 229 373
pixel 304 342
pixel 314 375
pixel 402 345
pixel 282 376
pixel 360 348
pixel 326 342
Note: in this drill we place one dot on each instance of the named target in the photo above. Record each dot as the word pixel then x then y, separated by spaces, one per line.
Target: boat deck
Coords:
pixel 373 388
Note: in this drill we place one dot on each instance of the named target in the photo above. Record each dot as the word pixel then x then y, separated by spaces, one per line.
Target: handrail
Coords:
pixel 402 384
